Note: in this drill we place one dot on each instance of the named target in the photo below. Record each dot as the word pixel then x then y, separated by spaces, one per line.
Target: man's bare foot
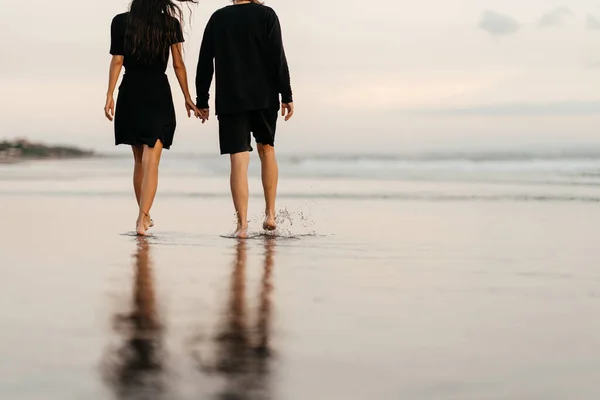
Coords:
pixel 270 224
pixel 241 233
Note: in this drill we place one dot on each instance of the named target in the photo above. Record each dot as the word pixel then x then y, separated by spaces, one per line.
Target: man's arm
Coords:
pixel 279 60
pixel 206 69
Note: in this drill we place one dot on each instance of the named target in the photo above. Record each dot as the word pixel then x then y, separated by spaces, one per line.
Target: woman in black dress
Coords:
pixel 144 115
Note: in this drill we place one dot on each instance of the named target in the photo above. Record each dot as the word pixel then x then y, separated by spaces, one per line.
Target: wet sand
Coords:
pixel 357 299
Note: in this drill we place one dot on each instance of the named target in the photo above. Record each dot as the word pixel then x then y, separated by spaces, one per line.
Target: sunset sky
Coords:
pixel 382 76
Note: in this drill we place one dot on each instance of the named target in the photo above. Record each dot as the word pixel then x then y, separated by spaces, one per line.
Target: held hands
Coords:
pixel 287 110
pixel 109 108
pixel 190 106
pixel 204 114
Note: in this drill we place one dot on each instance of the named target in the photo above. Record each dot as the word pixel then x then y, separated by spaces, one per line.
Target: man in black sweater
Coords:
pixel 244 42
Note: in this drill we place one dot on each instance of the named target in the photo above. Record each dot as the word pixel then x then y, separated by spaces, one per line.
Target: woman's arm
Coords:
pixel 116 63
pixel 181 73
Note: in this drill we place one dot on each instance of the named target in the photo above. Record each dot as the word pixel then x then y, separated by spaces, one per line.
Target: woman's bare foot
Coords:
pixel 142 225
pixel 141 228
pixel 270 224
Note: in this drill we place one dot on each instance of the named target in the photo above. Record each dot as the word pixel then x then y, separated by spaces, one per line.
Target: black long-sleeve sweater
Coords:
pixel 244 41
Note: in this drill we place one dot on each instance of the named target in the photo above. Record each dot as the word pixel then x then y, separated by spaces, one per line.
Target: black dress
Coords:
pixel 144 111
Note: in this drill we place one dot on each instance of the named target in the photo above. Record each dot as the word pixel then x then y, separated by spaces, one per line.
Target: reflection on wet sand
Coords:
pixel 243 353
pixel 135 368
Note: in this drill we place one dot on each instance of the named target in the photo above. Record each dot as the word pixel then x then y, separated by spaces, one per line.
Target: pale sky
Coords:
pixel 386 75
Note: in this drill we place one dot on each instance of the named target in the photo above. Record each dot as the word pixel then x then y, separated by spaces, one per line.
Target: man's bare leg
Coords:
pixel 270 177
pixel 239 191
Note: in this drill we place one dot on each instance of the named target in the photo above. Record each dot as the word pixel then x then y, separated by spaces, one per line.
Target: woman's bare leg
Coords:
pixel 150 163
pixel 138 171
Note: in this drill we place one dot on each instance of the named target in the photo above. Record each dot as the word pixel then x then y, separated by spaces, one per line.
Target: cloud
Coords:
pixel 498 24
pixel 533 108
pixel 592 23
pixel 556 17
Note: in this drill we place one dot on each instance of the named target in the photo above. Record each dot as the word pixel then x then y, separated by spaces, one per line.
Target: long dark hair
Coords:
pixel 153 25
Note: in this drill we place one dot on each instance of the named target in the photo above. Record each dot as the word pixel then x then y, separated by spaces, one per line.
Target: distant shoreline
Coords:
pixel 13 151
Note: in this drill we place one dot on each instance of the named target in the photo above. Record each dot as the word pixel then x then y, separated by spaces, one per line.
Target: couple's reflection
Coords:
pixel 243 351
pixel 135 368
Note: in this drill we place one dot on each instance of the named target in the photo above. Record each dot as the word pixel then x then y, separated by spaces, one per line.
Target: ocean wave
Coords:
pixel 477 157
pixel 407 196
pixel 552 168
pixel 581 154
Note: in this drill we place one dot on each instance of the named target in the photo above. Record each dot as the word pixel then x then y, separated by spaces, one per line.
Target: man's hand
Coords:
pixel 190 106
pixel 204 113
pixel 109 108
pixel 287 110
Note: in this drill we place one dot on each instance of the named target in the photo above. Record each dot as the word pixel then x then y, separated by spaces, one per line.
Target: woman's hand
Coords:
pixel 190 106
pixel 109 108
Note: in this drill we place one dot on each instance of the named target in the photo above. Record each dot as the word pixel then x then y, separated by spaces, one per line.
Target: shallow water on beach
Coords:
pixel 381 289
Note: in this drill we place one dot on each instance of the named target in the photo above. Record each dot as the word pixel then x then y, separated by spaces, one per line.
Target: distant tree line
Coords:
pixel 24 149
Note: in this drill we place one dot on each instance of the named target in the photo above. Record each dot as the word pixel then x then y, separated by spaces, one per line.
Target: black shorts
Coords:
pixel 235 129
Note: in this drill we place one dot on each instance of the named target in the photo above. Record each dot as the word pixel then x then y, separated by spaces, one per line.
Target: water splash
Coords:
pixel 290 225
